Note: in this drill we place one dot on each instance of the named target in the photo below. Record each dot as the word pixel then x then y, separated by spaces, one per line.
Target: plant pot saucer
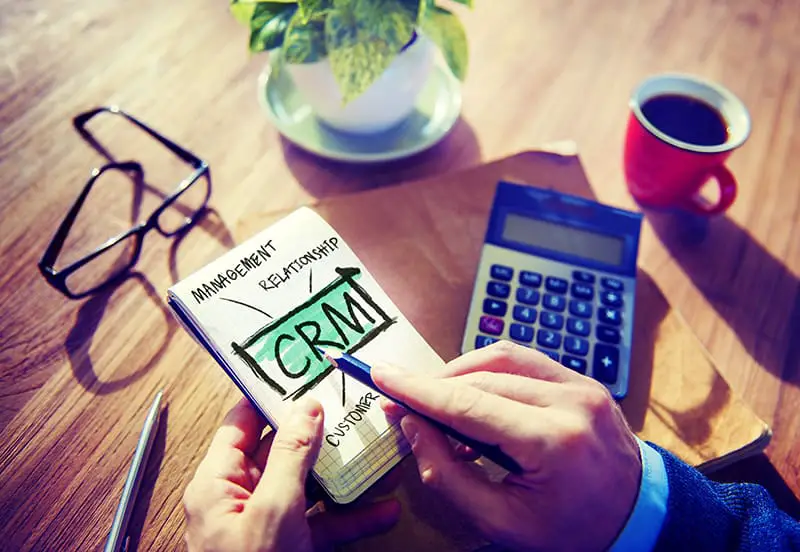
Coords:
pixel 437 110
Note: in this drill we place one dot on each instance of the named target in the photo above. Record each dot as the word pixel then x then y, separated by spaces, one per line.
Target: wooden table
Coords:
pixel 77 377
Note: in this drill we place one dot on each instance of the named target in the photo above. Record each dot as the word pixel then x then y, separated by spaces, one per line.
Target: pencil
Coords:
pixel 361 371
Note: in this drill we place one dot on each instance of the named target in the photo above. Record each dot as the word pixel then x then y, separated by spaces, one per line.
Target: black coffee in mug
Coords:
pixel 687 119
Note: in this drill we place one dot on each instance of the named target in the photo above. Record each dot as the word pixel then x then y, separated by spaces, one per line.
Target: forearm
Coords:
pixel 704 515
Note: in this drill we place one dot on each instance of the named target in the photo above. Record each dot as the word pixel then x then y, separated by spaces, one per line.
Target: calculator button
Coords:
pixel 583 276
pixel 551 354
pixel 554 302
pixel 484 341
pixel 582 291
pixel 527 296
pixel 576 345
pixel 498 289
pixel 609 335
pixel 611 299
pixel 524 314
pixel 574 363
pixel 500 272
pixel 609 316
pixel 521 332
pixel 551 320
pixel 546 338
pixel 491 325
pixel 580 308
pixel 578 327
pixel 556 285
pixel 495 307
pixel 528 278
pixel 606 363
pixel 613 284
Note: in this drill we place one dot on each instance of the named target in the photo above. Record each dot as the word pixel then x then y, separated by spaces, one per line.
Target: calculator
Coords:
pixel 558 273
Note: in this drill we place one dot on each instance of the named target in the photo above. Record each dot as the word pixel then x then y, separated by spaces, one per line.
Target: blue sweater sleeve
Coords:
pixel 704 515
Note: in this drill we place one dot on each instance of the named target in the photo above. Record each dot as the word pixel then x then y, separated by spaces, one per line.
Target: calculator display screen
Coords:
pixel 564 239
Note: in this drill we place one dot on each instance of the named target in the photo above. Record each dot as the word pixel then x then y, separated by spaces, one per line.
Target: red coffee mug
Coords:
pixel 664 171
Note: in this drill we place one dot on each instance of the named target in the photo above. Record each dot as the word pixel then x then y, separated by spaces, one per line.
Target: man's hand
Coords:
pixel 248 492
pixel 581 464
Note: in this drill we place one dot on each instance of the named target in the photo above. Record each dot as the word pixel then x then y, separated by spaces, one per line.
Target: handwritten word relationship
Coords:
pixel 263 254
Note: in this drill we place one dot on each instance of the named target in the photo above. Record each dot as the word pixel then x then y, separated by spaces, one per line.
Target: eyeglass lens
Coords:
pixel 112 208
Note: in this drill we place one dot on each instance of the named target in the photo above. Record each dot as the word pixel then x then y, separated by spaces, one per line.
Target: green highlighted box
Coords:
pixel 284 354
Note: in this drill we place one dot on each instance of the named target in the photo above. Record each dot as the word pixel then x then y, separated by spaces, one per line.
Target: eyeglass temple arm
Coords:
pixel 80 121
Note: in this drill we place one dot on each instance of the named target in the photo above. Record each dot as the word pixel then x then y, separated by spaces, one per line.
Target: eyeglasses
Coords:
pixel 109 263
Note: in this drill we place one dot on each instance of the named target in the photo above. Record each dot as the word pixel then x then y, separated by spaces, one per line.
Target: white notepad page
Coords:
pixel 264 307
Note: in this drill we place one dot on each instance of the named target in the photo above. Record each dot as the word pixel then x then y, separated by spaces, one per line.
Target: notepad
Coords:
pixel 262 311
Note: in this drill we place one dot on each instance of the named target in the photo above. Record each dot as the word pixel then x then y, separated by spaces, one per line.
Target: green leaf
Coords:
pixel 312 9
pixel 426 5
pixel 304 41
pixel 362 39
pixel 264 12
pixel 412 7
pixel 242 10
pixel 446 31
pixel 268 25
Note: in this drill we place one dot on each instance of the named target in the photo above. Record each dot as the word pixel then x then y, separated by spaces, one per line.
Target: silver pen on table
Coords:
pixel 117 536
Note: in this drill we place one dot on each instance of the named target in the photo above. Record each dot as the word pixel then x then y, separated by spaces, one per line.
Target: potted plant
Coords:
pixel 359 64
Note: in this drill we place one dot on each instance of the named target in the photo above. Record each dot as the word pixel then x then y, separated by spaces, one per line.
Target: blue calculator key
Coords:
pixel 524 314
pixel 582 291
pixel 613 284
pixel 583 276
pixel 546 338
pixel 609 316
pixel 554 302
pixel 576 345
pixel 580 308
pixel 609 335
pixel 495 307
pixel 528 278
pixel 551 354
pixel 556 285
pixel 551 320
pixel 527 296
pixel 491 325
pixel 611 299
pixel 606 363
pixel 574 363
pixel 521 332
pixel 484 341
pixel 498 289
pixel 501 272
pixel 578 327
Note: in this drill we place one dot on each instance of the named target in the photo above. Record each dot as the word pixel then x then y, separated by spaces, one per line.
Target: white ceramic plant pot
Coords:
pixel 385 104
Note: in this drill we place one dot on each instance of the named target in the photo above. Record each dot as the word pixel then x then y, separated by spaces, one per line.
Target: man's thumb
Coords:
pixel 293 453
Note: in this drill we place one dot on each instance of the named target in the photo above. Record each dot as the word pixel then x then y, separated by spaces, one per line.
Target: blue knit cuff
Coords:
pixel 645 522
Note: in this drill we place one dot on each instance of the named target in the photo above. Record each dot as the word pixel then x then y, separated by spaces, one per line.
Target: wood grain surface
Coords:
pixel 77 377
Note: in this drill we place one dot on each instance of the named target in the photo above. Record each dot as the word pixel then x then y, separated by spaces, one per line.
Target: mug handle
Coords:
pixel 727 193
